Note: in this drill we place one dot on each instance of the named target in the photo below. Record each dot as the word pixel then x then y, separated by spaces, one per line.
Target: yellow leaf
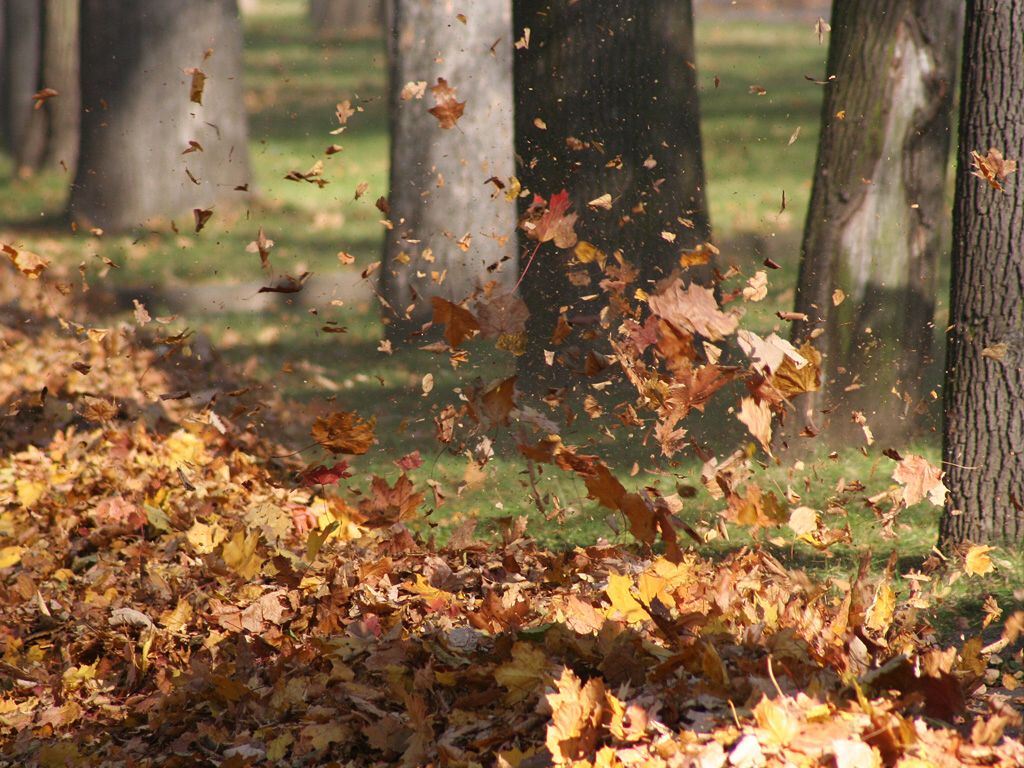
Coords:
pixel 803 520
pixel 205 538
pixel 623 603
pixel 29 492
pixel 777 720
pixel 10 556
pixel 240 553
pixel 177 619
pixel 524 674
pixel 977 562
pixel 74 677
pixel 880 613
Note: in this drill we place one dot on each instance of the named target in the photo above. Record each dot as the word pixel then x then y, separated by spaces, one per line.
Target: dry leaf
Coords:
pixel 447 109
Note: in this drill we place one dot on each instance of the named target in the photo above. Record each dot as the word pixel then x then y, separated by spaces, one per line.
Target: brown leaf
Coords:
pixel 693 309
pixel 919 479
pixel 459 323
pixel 42 96
pixel 448 109
pixel 992 167
pixel 201 215
pixel 195 89
pixel 261 245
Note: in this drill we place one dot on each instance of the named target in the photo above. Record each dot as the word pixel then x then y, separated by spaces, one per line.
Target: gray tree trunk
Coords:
pixel 61 72
pixel 607 103
pixel 23 51
pixel 349 18
pixel 877 217
pixel 439 191
pixel 983 443
pixel 138 117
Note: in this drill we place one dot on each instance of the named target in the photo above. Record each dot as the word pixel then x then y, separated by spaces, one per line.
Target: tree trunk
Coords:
pixel 607 103
pixel 983 443
pixel 138 118
pixel 877 214
pixel 450 228
pixel 61 72
pixel 4 74
pixel 23 51
pixel 349 18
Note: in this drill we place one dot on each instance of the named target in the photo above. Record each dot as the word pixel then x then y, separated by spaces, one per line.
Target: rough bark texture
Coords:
pixel 23 50
pixel 984 397
pixel 606 102
pixel 439 190
pixel 138 118
pixel 877 215
pixel 350 18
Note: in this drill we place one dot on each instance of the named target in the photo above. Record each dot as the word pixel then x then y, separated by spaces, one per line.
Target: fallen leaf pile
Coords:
pixel 174 593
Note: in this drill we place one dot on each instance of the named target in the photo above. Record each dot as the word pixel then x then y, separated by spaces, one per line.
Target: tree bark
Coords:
pixel 138 118
pixel 607 103
pixel 23 51
pixel 983 444
pixel 349 18
pixel 451 232
pixel 877 216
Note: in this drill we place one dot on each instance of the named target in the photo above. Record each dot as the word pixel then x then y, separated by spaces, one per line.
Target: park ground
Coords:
pixel 759 151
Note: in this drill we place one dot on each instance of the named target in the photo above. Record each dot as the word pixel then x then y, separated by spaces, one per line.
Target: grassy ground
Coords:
pixel 293 83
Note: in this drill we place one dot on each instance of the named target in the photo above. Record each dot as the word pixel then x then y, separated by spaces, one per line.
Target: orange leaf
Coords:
pixel 344 432
pixel 460 324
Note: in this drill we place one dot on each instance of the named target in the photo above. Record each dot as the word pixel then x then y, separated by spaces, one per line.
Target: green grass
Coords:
pixel 293 82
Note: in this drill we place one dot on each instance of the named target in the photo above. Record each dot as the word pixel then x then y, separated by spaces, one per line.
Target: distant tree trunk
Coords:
pixel 23 52
pixel 607 103
pixel 61 72
pixel 351 18
pixel 138 118
pixel 983 443
pixel 877 214
pixel 4 73
pixel 448 221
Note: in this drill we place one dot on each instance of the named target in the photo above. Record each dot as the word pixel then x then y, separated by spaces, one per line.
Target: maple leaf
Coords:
pixel 447 109
pixel 693 309
pixel 992 167
pixel 977 561
pixel 504 314
pixel 576 714
pixel 344 432
pixel 460 324
pixel 550 221
pixel 323 475
pixel 390 504
pixel 919 479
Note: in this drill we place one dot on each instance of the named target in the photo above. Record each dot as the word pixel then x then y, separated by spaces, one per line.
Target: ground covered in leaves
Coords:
pixel 178 590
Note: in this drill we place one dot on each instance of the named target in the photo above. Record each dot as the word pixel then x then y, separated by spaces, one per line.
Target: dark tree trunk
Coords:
pixel 607 103
pixel 984 397
pixel 349 18
pixel 138 118
pixel 877 214
pixel 439 190
pixel 23 52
